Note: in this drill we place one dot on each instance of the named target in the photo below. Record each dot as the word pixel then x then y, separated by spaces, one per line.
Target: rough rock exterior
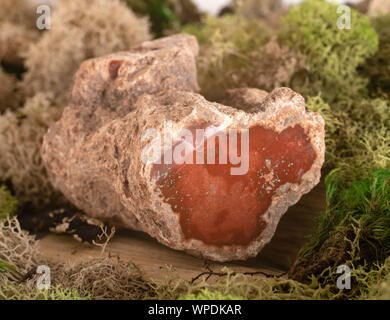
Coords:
pixel 96 153
pixel 246 99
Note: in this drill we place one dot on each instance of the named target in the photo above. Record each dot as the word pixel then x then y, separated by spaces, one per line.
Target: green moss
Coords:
pixel 244 35
pixel 8 204
pixel 206 294
pixel 355 227
pixel 166 16
pixel 15 291
pixel 225 46
pixel 238 285
pixel 334 125
pixel 365 282
pixel 365 138
pixel 378 67
pixel 366 205
pixel 332 54
pixel 160 12
pixel 379 288
pixel 4 267
pixel 357 135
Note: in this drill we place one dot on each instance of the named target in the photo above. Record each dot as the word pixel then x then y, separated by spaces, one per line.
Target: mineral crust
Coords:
pixel 138 147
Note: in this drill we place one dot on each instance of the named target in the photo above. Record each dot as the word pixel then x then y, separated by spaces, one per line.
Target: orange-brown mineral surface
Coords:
pixel 220 208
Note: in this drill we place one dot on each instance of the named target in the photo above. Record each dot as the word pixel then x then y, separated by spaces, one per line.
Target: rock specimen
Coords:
pixel 138 147
pixel 246 99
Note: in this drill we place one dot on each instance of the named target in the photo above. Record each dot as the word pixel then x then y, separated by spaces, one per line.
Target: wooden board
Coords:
pixel 153 257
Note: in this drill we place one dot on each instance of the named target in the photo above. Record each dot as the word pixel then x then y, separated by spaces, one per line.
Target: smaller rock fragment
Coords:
pixel 246 99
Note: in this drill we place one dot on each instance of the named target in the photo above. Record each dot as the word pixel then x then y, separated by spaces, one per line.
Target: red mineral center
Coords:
pixel 219 208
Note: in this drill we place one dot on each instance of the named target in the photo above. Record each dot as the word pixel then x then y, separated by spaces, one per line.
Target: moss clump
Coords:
pixel 332 54
pixel 103 278
pixel 225 47
pixel 8 204
pixel 15 39
pixel 380 289
pixel 166 15
pixel 205 294
pixel 322 286
pixel 83 29
pixel 97 278
pixel 378 67
pixel 8 97
pixel 160 12
pixel 21 12
pixel 4 267
pixel 18 250
pixel 354 228
pixel 21 135
pixel 17 30
pixel 357 135
pixel 236 285
pixel 15 291
pixel 334 125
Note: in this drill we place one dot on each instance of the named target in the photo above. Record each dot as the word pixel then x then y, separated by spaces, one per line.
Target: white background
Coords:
pixel 213 6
